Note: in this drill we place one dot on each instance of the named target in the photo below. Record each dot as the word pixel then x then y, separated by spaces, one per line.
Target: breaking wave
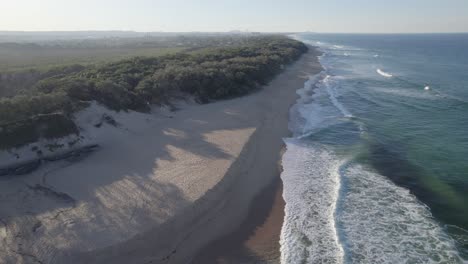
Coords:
pixel 311 191
pixel 385 74
pixel 338 211
pixel 385 223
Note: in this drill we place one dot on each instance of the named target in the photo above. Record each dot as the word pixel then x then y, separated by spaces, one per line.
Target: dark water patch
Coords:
pixel 343 133
pixel 391 162
pixel 413 135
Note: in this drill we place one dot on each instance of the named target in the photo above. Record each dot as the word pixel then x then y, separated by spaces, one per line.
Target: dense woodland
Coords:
pixel 206 74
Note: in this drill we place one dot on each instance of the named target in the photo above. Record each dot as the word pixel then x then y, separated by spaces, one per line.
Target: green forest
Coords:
pixel 207 74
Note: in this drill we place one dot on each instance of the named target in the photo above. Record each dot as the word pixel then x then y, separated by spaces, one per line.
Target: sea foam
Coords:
pixel 311 185
pixel 385 223
pixel 385 74
pixel 341 212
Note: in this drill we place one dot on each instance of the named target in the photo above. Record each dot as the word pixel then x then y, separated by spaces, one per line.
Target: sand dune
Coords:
pixel 159 187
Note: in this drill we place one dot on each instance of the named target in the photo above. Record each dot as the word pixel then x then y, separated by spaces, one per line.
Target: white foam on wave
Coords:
pixel 384 74
pixel 318 106
pixel 309 234
pixel 330 87
pixel 370 220
pixel 385 223
pixel 311 185
pixel 304 114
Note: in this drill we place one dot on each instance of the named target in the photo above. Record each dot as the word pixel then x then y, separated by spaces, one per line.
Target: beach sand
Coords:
pixel 162 186
pixel 256 240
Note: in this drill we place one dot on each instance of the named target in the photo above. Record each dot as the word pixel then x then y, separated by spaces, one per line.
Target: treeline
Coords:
pixel 211 74
pixel 15 83
pixel 137 83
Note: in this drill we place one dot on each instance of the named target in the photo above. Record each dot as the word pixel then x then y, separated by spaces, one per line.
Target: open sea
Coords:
pixel 377 168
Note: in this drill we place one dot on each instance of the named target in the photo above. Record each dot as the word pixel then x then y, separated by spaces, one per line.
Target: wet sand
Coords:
pixel 257 239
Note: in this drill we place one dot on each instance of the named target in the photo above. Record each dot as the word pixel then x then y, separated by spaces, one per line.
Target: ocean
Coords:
pixel 377 168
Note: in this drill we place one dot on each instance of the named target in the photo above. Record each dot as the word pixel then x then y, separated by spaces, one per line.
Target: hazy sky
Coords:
pixel 224 15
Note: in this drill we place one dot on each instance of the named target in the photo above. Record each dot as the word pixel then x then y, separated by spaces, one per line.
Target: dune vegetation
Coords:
pixel 207 74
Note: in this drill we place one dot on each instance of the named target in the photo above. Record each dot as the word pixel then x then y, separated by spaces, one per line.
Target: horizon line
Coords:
pixel 229 31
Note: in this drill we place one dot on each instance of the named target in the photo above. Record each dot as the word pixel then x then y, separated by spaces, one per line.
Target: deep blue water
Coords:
pixel 392 112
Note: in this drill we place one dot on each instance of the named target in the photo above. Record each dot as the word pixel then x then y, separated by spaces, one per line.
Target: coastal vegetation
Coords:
pixel 206 74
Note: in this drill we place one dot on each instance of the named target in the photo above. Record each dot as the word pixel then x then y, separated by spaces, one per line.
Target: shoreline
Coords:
pixel 225 208
pixel 257 238
pixel 168 183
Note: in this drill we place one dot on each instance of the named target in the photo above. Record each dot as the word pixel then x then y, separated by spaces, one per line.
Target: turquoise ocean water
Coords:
pixel 377 169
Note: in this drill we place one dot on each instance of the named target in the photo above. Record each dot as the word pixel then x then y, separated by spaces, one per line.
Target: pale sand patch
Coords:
pixel 160 187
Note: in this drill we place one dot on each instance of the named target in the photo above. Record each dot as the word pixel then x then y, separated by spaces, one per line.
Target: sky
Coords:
pixel 347 16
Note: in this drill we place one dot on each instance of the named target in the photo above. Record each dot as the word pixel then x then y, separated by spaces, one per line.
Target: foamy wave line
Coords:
pixel 318 105
pixel 385 74
pixel 333 97
pixel 316 108
pixel 311 184
pixel 385 223
pixel 378 222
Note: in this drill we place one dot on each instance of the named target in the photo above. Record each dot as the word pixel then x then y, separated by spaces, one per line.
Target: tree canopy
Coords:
pixel 134 84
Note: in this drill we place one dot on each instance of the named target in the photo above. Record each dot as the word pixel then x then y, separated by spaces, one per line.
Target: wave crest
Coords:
pixel 384 74
pixel 385 223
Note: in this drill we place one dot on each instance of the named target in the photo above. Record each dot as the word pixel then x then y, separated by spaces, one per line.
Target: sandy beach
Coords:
pixel 256 240
pixel 161 187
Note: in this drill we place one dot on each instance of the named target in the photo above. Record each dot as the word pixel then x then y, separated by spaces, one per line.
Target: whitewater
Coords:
pixel 339 210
